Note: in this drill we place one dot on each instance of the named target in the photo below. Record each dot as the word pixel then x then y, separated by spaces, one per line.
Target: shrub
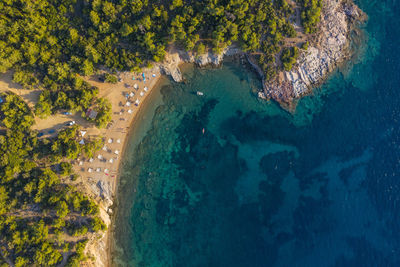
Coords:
pixel 110 78
pixel 289 57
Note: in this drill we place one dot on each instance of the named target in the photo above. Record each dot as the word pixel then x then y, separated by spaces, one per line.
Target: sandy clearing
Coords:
pixel 29 96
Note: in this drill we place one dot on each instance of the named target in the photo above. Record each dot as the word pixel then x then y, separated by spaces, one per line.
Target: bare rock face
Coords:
pixel 105 192
pixel 210 58
pixel 207 59
pixel 175 57
pixel 97 248
pixel 170 66
pixel 329 49
pixel 98 243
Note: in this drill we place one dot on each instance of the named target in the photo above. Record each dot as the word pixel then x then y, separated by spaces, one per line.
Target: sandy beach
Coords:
pixel 126 97
pixel 98 175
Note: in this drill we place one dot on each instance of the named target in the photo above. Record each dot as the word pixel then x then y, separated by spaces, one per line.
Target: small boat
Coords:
pixel 203 130
pixel 199 93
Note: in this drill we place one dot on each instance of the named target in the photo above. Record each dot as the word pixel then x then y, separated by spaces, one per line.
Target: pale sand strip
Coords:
pixel 114 137
pixel 101 248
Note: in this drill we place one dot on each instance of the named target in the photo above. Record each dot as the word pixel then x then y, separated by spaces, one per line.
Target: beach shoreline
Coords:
pixel 99 176
pixel 129 134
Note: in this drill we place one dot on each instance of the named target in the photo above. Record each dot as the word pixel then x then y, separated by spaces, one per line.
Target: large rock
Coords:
pixel 105 192
pixel 170 66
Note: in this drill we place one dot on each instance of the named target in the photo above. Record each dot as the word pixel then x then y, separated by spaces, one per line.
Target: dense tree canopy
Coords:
pixel 310 14
pixel 48 42
pixel 35 205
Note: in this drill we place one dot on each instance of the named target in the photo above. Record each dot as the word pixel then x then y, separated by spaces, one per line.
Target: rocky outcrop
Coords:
pixel 105 192
pixel 175 57
pixel 329 48
pixel 97 247
pixel 170 66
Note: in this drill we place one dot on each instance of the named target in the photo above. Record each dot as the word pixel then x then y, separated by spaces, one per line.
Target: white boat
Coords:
pixel 199 93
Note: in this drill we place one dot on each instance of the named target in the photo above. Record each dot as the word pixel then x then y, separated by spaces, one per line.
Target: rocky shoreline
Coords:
pixel 328 49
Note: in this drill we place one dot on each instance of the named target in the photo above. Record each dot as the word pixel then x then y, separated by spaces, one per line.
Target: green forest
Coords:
pixel 51 45
pixel 49 42
pixel 38 208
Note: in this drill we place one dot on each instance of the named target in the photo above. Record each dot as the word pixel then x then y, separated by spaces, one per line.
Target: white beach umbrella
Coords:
pixel 111 160
pixel 110 140
pixel 116 152
pixel 145 88
pixel 130 111
pixel 91 160
pixel 141 94
pixel 119 141
pixel 99 156
pixel 98 170
pixel 105 148
pixel 128 104
pixel 90 170
pixel 80 163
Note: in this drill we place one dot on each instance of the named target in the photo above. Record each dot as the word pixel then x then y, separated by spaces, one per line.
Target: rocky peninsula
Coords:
pixel 328 48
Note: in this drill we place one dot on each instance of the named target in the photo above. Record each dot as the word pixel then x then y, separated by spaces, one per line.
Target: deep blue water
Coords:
pixel 262 187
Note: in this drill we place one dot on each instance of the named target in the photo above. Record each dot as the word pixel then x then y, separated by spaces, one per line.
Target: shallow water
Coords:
pixel 262 187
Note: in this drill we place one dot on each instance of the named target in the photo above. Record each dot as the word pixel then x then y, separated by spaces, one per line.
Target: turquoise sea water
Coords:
pixel 262 187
